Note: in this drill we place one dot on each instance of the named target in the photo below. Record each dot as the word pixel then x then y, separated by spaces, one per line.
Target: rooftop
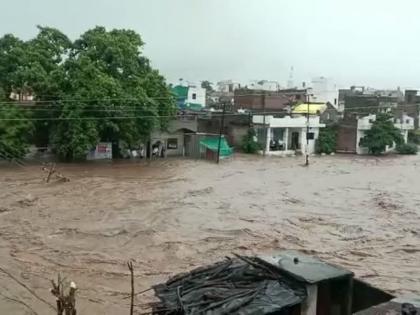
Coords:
pixel 305 268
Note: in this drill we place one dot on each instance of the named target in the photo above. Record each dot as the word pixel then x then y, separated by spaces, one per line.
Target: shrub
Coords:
pixel 250 144
pixel 327 140
pixel 407 148
pixel 414 136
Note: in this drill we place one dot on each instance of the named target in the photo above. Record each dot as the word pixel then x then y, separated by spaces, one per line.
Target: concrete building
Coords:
pixel 172 140
pixel 328 114
pixel 190 97
pixel 287 135
pixel 323 90
pixel 352 130
pixel 235 127
pixel 360 99
pixel 264 85
pixel 411 106
pixel 227 86
pixel 260 100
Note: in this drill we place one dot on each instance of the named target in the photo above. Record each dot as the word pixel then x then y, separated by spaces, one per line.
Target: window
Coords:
pixel 407 121
pixel 172 144
pixel 311 136
pixel 194 96
pixel 335 101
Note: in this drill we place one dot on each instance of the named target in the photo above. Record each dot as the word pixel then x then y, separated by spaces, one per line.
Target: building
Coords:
pixel 190 97
pixel 328 114
pixel 227 86
pixel 235 127
pixel 286 282
pixel 172 141
pixel 362 100
pixel 264 85
pixel 352 130
pixel 260 100
pixel 287 135
pixel 411 106
pixel 324 91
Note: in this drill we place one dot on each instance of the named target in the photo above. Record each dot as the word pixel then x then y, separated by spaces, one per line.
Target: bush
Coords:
pixel 407 148
pixel 414 136
pixel 327 140
pixel 250 144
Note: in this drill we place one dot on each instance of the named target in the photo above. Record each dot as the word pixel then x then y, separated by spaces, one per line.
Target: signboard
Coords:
pixel 102 151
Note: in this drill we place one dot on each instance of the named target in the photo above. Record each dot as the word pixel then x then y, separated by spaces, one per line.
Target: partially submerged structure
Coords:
pixel 286 283
pixel 287 135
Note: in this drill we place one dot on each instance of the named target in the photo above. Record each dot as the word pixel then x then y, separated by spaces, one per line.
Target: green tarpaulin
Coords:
pixel 213 144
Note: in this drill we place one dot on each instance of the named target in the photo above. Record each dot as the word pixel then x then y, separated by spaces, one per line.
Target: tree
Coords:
pixel 97 88
pixel 327 140
pixel 250 143
pixel 383 133
pixel 207 85
pixel 14 132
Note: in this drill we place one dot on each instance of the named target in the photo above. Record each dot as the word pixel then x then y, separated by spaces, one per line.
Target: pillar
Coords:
pixel 303 146
pixel 268 139
pixel 286 139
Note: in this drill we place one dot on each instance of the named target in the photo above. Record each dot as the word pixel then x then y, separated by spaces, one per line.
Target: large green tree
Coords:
pixel 383 133
pixel 99 87
pixel 14 130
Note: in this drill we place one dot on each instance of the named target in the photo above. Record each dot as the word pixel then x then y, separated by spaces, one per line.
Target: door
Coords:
pixel 295 140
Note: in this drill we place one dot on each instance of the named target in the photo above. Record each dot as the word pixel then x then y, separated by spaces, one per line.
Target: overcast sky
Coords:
pixel 363 42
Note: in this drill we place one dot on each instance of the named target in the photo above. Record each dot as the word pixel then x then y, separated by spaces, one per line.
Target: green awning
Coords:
pixel 213 144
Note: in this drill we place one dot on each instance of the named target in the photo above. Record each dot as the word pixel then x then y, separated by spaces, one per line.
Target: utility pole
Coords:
pixel 221 132
pixel 265 128
pixel 307 131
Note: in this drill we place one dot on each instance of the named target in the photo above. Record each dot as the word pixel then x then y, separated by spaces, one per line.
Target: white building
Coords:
pixel 404 124
pixel 287 135
pixel 324 91
pixel 264 85
pixel 227 86
pixel 196 95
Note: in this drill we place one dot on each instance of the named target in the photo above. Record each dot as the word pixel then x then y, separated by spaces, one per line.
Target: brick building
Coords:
pixel 270 101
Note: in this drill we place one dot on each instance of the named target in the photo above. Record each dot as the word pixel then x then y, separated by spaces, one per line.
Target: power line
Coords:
pixel 111 117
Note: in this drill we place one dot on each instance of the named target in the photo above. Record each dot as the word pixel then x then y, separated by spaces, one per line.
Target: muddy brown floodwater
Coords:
pixel 171 216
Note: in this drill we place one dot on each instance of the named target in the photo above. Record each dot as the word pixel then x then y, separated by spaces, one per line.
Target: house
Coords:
pixel 261 100
pixel 328 114
pixel 287 135
pixel 235 126
pixel 172 141
pixel 352 129
pixel 190 97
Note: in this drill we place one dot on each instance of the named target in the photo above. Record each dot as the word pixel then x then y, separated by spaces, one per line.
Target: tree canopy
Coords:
pixel 99 87
pixel 383 133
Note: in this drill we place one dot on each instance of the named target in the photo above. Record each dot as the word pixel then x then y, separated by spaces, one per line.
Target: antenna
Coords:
pixel 290 83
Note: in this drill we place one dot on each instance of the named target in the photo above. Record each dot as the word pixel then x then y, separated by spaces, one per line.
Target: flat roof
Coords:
pixel 303 267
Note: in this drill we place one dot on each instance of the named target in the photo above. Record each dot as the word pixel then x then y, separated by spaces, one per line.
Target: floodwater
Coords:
pixel 171 216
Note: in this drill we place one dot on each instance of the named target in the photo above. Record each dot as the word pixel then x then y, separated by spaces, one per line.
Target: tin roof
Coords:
pixel 304 268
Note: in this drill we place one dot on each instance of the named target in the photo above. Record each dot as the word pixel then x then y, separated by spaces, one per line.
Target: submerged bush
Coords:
pixel 407 148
